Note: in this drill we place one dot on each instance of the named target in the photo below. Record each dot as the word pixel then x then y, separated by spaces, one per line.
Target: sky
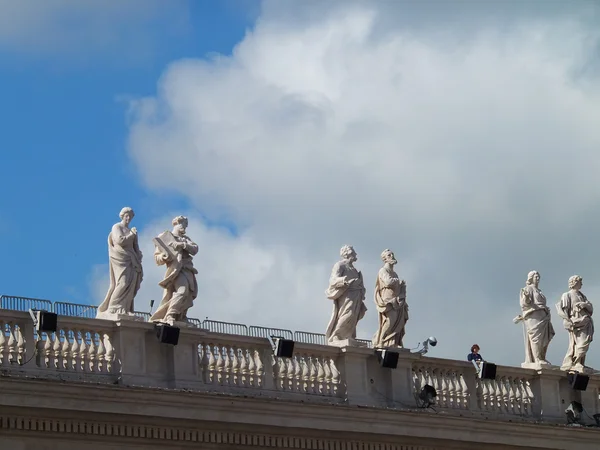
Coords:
pixel 462 135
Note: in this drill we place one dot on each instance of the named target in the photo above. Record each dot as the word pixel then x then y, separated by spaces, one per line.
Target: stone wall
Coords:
pixel 97 381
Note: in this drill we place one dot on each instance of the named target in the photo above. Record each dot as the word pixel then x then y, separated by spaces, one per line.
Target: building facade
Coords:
pixel 97 384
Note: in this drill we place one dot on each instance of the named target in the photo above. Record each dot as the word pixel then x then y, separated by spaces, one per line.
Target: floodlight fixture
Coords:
pixel 167 334
pixel 578 381
pixel 427 396
pixel 387 358
pixel 283 348
pixel 573 413
pixel 43 321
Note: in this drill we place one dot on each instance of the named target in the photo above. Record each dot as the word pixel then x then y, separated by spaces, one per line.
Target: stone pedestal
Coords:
pixel 539 366
pixel 353 368
pixel 130 345
pixel 116 317
pixel 349 343
pixel 551 397
pixel 402 378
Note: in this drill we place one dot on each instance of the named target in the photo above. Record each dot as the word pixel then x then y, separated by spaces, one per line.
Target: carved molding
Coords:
pixel 183 434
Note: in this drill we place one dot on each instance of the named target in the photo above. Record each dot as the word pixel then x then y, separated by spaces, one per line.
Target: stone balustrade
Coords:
pixel 128 353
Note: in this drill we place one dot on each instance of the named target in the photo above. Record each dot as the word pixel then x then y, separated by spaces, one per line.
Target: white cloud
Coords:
pixel 473 155
pixel 90 27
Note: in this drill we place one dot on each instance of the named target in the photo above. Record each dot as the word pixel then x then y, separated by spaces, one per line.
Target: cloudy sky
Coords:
pixel 462 135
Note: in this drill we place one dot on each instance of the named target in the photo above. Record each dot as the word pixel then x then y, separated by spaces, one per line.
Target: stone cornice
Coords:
pixel 355 423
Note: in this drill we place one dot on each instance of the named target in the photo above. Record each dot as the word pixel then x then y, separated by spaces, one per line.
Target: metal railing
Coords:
pixel 144 315
pixel 265 332
pixel 196 322
pixel 225 327
pixel 310 338
pixel 89 311
pixel 24 303
pixel 75 310
pixel 366 341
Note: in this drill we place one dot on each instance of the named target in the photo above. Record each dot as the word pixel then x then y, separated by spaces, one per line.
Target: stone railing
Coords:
pixel 128 353
pixel 459 388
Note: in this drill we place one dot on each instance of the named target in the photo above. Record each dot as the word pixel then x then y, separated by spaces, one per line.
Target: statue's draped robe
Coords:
pixel 348 302
pixel 575 307
pixel 125 271
pixel 390 300
pixel 538 325
pixel 180 285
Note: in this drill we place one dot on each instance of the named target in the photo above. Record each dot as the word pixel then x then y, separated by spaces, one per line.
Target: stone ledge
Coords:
pixel 146 404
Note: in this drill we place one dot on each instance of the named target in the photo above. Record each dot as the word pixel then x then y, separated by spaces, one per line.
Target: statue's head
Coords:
pixel 533 277
pixel 387 256
pixel 347 252
pixel 575 282
pixel 180 224
pixel 126 214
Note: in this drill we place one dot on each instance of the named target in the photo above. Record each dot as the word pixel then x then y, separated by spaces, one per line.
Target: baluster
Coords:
pixel 2 342
pixel 244 367
pixel 498 395
pixel 260 370
pixel 101 354
pixel 320 376
pixel 92 352
pixel 220 364
pixel 46 350
pixel 110 352
pixel 416 378
pixel 283 373
pixel 12 343
pixel 56 349
pixel 277 372
pixel 297 378
pixel 335 376
pixel 518 396
pixel 204 360
pixel 66 349
pixel 505 395
pixel 291 370
pixel 488 394
pixel 437 384
pixel 314 375
pixel 305 386
pixel 453 390
pixel 465 395
pixel 327 370
pixel 443 379
pixel 251 368
pixel 528 397
pixel 74 354
pixel 20 346
pixel 232 365
pixel 512 396
pixel 83 351
pixel 212 363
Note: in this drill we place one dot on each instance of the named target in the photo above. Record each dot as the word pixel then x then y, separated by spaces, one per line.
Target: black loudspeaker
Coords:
pixel 387 358
pixel 284 348
pixel 578 381
pixel 167 334
pixel 488 371
pixel 46 321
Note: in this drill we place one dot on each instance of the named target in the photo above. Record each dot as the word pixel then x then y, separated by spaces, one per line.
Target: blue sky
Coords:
pixel 462 135
pixel 65 169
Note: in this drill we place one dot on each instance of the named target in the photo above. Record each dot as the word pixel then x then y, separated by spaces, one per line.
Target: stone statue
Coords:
pixel 536 321
pixel 390 300
pixel 176 249
pixel 576 312
pixel 347 291
pixel 125 269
